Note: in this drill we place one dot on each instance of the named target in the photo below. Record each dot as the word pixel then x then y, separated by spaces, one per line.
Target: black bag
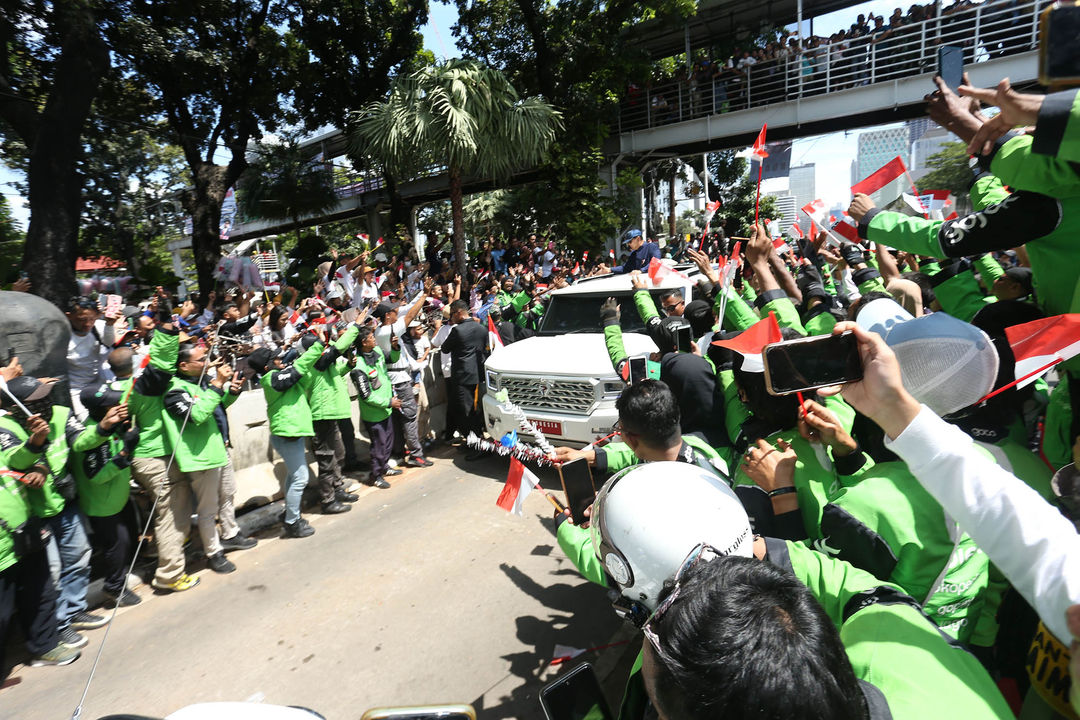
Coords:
pixel 25 539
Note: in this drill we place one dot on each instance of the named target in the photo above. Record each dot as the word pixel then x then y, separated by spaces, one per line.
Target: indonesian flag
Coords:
pixel 780 245
pixel 364 237
pixel 494 341
pixel 847 231
pixel 577 269
pixel 611 254
pixel 815 210
pixel 884 184
pixel 1041 344
pixel 796 232
pixel 658 271
pixel 585 256
pixel 757 151
pixel 935 204
pixel 379 242
pixel 751 341
pixel 710 210
pixel 519 483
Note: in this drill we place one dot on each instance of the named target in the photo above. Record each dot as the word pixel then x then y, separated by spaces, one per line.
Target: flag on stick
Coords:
pixel 519 483
pixel 751 341
pixel 884 184
pixel 710 210
pixel 494 340
pixel 658 270
pixel 757 152
pixel 1041 344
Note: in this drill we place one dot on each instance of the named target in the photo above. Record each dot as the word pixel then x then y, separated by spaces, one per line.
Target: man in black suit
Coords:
pixel 467 346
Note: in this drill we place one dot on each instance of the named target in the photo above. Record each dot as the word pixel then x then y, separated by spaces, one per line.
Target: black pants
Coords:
pixel 468 411
pixel 329 454
pixel 452 418
pixel 348 441
pixel 113 539
pixel 382 442
pixel 27 587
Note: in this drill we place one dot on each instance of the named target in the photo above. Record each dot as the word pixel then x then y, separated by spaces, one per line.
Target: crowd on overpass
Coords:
pixel 874 48
pixel 893 563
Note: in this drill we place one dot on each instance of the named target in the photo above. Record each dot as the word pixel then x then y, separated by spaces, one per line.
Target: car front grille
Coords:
pixel 575 396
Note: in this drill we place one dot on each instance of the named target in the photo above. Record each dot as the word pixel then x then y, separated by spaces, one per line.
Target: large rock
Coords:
pixel 36 331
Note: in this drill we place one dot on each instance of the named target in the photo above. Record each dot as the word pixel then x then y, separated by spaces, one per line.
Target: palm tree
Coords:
pixel 285 183
pixel 462 115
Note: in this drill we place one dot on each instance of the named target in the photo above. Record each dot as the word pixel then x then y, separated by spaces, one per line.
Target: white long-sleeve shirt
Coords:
pixel 1029 540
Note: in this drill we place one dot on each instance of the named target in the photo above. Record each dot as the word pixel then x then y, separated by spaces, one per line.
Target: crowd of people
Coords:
pixel 874 48
pixel 896 547
pixel 902 545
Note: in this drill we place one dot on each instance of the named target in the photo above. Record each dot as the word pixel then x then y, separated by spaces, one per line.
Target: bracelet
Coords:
pixel 782 491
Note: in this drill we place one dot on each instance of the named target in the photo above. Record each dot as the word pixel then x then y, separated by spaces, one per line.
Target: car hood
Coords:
pixel 583 354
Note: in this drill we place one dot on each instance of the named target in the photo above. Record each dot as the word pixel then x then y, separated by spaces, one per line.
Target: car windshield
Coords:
pixel 581 314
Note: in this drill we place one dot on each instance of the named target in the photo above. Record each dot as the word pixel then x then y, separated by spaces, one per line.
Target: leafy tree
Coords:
pixel 730 183
pixel 950 170
pixel 286 183
pixel 434 220
pixel 53 63
pixel 218 70
pixel 11 241
pixel 463 115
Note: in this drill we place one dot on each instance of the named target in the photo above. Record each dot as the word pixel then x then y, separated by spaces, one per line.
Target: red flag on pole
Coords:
pixel 884 184
pixel 494 339
pixel 750 342
pixel 847 231
pixel 1040 344
pixel 519 483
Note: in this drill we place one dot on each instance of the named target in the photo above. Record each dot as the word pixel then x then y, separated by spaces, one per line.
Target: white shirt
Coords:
pixel 86 357
pixel 437 341
pixel 398 371
pixel 1029 540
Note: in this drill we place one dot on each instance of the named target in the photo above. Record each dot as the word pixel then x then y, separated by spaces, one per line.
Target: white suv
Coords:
pixel 563 378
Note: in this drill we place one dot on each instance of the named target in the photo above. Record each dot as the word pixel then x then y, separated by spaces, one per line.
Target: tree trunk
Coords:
pixel 203 202
pixel 54 141
pixel 457 217
pixel 671 207
pixel 400 214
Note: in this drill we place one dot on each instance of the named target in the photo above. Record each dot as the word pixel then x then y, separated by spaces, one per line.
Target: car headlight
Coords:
pixel 492 380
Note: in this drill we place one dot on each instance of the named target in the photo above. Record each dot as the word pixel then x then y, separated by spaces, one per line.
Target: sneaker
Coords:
pixel 393 462
pixel 86 621
pixel 124 599
pixel 59 655
pixel 220 564
pixel 343 496
pixel 182 583
pixel 391 472
pixel 70 639
pixel 299 529
pixel 418 462
pixel 239 541
pixel 335 508
pixel 380 483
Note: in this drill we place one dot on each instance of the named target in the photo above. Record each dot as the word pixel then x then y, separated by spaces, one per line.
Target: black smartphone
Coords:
pixel 811 363
pixel 577 483
pixel 950 65
pixel 683 338
pixel 1059 54
pixel 639 370
pixel 575 696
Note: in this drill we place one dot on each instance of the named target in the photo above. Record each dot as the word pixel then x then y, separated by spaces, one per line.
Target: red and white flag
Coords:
pixel 884 184
pixel 658 271
pixel 379 242
pixel 847 231
pixel 935 204
pixel 751 341
pixel 815 210
pixel 710 210
pixel 519 483
pixel 757 150
pixel 1041 344
pixel 780 245
pixel 795 231
pixel 494 340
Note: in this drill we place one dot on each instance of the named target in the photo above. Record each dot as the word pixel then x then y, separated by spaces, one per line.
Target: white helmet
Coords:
pixel 648 518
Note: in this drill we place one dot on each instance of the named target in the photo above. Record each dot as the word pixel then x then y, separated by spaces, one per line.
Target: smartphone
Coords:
pixel 811 363
pixel 575 696
pixel 577 483
pixel 683 338
pixel 421 712
pixel 950 65
pixel 1059 56
pixel 638 370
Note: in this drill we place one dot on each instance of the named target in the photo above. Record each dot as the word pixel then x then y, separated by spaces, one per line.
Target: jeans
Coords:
pixel 408 415
pixel 68 550
pixel 294 452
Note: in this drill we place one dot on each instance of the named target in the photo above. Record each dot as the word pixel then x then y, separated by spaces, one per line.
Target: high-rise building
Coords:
pixel 919 127
pixel 787 208
pixel 801 184
pixel 878 147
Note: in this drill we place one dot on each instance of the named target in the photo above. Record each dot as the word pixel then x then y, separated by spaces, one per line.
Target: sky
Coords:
pixel 831 153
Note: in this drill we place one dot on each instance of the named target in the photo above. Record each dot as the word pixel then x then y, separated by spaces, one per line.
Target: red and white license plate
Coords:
pixel 548 427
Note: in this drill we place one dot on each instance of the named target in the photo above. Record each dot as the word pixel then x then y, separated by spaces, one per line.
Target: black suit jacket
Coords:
pixel 467 345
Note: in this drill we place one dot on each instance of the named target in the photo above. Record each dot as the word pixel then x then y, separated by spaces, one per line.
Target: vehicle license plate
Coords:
pixel 548 427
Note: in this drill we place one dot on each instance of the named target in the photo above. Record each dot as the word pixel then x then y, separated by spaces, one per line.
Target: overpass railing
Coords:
pixel 989 30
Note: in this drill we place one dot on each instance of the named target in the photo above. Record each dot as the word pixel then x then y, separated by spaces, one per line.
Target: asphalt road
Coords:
pixel 424 593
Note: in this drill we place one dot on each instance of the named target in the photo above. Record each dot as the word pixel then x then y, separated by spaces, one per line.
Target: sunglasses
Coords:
pixel 671 308
pixel 702 553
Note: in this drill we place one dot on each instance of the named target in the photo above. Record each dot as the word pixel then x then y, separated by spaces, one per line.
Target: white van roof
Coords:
pixel 620 284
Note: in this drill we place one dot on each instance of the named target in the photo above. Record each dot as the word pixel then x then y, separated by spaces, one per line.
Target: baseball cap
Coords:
pixel 97 401
pixel 630 235
pixel 260 358
pixel 383 308
pixel 1021 275
pixel 699 313
pixel 27 389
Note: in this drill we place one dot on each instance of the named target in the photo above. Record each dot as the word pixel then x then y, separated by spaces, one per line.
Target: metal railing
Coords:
pixel 993 29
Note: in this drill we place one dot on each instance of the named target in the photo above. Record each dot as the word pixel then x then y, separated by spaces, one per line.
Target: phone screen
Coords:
pixel 577 483
pixel 638 369
pixel 575 696
pixel 1059 58
pixel 951 65
pixel 683 338
pixel 816 362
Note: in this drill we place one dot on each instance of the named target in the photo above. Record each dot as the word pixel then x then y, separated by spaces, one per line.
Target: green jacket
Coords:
pixel 147 402
pixel 14 511
pixel 200 445
pixel 103 476
pixel 328 393
pixel 1057 132
pixel 617 455
pixel 373 385
pixel 66 433
pixel 286 395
